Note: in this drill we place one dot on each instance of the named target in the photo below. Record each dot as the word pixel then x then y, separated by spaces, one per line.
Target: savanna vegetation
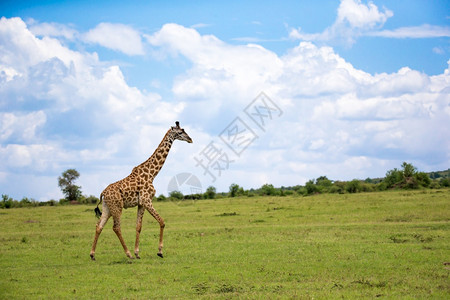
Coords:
pixel 390 244
pixel 405 178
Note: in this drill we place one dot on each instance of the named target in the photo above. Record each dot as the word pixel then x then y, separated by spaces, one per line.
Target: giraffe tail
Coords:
pixel 98 212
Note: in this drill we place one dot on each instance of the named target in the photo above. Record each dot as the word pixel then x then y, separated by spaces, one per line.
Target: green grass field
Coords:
pixel 386 244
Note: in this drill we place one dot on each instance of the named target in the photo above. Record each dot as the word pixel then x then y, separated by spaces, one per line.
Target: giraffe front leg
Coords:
pixel 161 233
pixel 140 215
pixel 160 220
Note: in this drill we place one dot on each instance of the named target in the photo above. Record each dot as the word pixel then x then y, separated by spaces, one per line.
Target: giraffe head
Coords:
pixel 178 133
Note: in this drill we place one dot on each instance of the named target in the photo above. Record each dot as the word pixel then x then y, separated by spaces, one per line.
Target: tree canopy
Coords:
pixel 67 184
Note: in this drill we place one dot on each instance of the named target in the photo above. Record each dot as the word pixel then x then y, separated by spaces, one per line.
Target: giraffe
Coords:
pixel 137 190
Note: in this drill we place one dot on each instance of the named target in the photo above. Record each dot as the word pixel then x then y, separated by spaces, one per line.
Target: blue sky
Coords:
pixel 352 88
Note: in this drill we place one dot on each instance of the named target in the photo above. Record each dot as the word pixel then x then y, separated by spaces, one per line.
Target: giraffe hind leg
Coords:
pixel 140 215
pixel 98 230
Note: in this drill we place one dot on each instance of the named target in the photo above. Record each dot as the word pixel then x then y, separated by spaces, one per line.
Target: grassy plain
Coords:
pixel 386 244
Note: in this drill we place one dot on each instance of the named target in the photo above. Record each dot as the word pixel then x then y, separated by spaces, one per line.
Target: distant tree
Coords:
pixel 67 184
pixel 393 177
pixel 7 202
pixel 234 190
pixel 311 187
pixel 408 170
pixel 422 179
pixel 210 192
pixel 268 190
pixel 323 181
pixel 408 177
pixel 25 202
pixel 368 180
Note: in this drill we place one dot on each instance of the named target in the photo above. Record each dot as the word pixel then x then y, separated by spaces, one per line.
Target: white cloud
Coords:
pixel 359 15
pixel 222 75
pixel 438 50
pixel 7 73
pixel 52 30
pixel 22 127
pixel 309 70
pixel 63 108
pixel 415 32
pixel 338 120
pixel 353 20
pixel 117 37
pixel 38 157
pixel 200 25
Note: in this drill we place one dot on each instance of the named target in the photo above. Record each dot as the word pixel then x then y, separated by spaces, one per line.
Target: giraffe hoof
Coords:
pixel 137 256
pixel 160 255
pixel 92 257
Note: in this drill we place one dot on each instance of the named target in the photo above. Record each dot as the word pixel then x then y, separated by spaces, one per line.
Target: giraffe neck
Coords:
pixel 156 161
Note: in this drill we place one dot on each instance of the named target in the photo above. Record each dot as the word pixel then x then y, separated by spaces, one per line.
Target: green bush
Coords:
pixel 353 186
pixel 311 187
pixel 7 202
pixel 339 186
pixel 393 178
pixel 323 181
pixel 88 199
pixel 408 178
pixel 367 187
pixel 176 195
pixel 236 190
pixel 434 184
pixel 210 192
pixel 335 189
pixel 161 198
pixel 422 179
pixel 268 190
pixel 444 182
pixel 288 192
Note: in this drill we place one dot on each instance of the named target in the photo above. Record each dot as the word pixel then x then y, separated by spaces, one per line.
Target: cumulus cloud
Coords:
pixel 335 117
pixel 359 15
pixel 117 37
pixel 20 127
pixel 223 76
pixel 353 20
pixel 61 107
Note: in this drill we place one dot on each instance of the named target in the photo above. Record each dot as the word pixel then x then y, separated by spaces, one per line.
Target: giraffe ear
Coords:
pixel 178 124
